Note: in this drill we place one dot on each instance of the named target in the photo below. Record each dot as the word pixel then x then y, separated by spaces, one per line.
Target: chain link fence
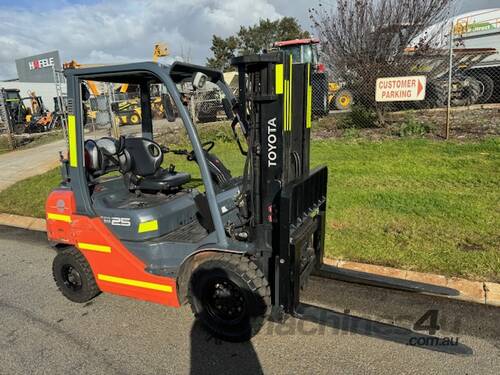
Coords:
pixel 447 91
pixel 444 92
pixel 205 105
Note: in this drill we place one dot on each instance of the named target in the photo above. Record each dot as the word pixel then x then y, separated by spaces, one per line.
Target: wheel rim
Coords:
pixel 224 301
pixel 345 100
pixel 71 277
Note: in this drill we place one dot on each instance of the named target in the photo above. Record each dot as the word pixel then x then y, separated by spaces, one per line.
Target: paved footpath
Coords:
pixel 43 333
pixel 20 164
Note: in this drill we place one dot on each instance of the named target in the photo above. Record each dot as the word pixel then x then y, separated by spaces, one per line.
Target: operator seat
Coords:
pixel 145 171
pixel 102 156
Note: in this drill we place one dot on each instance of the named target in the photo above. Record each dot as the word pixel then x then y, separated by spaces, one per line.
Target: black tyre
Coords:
pixel 73 276
pixel 18 128
pixel 488 88
pixel 230 296
pixel 204 118
pixel 437 95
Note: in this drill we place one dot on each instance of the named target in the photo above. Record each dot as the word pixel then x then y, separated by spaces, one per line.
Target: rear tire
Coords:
pixel 230 296
pixel 488 88
pixel 437 95
pixel 73 276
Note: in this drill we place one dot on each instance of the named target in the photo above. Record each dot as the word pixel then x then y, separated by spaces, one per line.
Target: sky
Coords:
pixel 118 31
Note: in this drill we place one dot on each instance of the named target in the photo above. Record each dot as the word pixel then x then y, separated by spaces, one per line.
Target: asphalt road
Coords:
pixel 43 333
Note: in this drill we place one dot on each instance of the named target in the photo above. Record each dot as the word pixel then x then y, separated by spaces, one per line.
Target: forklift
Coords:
pixel 17 112
pixel 240 250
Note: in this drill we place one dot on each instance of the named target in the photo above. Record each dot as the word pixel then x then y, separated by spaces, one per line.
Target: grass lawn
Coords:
pixel 418 204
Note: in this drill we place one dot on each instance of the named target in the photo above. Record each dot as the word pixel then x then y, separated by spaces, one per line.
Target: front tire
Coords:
pixel 344 100
pixel 73 276
pixel 18 128
pixel 230 296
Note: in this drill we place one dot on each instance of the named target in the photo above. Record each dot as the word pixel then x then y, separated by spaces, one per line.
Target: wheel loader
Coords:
pixel 240 249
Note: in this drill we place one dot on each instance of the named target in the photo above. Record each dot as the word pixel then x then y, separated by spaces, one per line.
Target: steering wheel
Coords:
pixel 206 146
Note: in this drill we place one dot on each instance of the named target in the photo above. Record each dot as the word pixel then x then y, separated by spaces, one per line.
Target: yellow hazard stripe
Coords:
pixel 93 247
pixel 309 98
pixel 59 217
pixel 137 283
pixel 148 226
pixel 285 106
pixel 279 79
pixel 290 96
pixel 73 162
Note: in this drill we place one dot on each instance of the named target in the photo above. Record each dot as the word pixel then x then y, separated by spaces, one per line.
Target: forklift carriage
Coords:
pixel 240 251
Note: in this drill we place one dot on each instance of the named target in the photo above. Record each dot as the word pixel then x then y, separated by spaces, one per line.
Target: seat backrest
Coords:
pixel 93 158
pixel 103 156
pixel 146 156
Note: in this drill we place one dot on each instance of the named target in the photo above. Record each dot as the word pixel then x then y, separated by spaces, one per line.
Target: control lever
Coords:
pixel 189 155
pixel 235 122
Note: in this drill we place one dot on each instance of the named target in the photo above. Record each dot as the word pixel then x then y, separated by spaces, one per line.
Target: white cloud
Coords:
pixel 123 31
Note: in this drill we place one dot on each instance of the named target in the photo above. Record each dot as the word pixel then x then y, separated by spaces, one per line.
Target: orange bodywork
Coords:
pixel 115 269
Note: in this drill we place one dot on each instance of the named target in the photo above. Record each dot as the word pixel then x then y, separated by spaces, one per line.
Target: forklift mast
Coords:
pixel 287 201
pixel 273 104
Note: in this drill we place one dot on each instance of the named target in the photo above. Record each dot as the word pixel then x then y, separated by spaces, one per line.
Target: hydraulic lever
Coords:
pixel 235 122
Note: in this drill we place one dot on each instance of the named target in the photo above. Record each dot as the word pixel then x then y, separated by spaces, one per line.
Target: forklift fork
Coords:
pixel 365 278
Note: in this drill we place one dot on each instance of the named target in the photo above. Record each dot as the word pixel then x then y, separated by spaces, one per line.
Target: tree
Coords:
pixel 253 39
pixel 362 40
